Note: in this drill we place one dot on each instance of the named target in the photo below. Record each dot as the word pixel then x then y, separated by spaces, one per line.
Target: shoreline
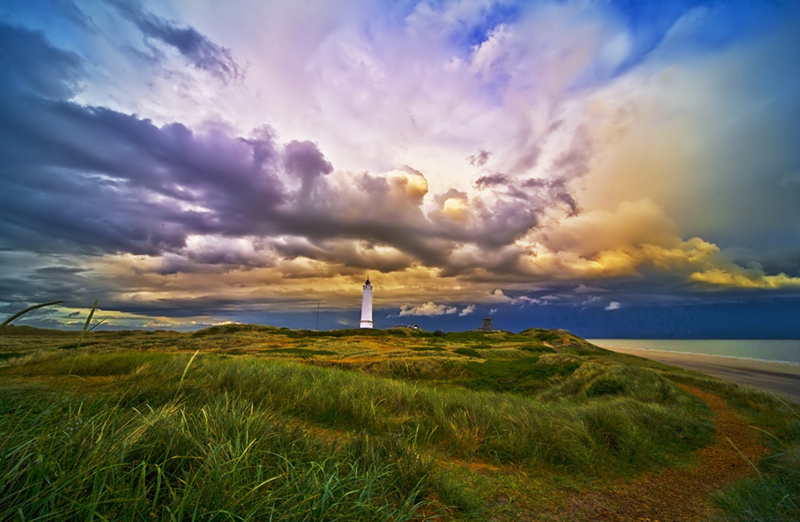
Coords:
pixel 769 350
pixel 780 378
pixel 737 357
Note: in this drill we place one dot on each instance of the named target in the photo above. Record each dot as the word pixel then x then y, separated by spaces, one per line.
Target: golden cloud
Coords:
pixel 640 222
pixel 737 277
pixel 456 209
pixel 631 241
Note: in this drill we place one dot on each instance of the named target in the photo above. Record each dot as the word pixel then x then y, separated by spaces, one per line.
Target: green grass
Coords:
pixel 222 425
pixel 519 376
pixel 428 349
pixel 462 422
pixel 468 352
pixel 225 460
pixel 302 352
pixel 542 334
pixel 774 493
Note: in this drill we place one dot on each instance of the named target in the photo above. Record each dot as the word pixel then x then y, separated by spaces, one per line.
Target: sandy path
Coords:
pixel 678 494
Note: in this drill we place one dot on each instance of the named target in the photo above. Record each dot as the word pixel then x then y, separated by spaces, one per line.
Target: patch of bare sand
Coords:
pixel 677 494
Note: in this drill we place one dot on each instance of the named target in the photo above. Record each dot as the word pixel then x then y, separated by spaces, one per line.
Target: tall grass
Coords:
pixel 167 435
pixel 226 460
pixel 774 494
pixel 25 311
pixel 621 432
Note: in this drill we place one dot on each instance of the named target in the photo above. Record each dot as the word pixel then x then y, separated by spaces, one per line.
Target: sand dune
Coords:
pixel 780 378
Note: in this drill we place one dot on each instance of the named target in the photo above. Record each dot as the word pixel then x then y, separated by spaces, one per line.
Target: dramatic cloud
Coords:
pixel 465 155
pixel 147 189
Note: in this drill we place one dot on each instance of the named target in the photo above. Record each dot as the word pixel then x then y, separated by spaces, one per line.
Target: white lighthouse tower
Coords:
pixel 366 306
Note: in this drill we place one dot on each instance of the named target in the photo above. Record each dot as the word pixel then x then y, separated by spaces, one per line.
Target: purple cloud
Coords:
pixel 198 50
pixel 92 180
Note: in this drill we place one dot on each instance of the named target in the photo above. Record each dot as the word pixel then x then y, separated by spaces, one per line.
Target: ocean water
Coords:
pixel 766 350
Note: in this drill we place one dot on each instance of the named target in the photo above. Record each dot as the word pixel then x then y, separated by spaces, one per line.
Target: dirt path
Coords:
pixel 679 494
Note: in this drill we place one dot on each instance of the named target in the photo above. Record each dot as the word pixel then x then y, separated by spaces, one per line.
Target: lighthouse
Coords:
pixel 366 306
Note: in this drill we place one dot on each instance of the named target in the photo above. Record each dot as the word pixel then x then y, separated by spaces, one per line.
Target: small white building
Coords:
pixel 366 305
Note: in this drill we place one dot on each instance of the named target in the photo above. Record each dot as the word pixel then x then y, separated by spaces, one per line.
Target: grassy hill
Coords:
pixel 247 422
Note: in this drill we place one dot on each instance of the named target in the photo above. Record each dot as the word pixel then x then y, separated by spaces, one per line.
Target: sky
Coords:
pixel 613 167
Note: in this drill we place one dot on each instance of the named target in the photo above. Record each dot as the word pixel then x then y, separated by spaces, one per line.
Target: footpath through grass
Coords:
pixel 270 424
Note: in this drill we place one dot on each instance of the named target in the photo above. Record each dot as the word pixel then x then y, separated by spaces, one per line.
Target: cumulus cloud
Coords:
pixel 497 296
pixel 429 309
pixel 467 310
pixel 613 305
pixel 634 239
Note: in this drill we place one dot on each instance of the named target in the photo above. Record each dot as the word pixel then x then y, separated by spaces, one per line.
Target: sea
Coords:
pixel 787 351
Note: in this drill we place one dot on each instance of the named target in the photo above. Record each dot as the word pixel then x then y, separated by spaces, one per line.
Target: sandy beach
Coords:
pixel 780 378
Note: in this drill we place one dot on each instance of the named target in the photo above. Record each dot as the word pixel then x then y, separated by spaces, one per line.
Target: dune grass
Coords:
pixel 773 494
pixel 155 437
pixel 242 422
pixel 226 460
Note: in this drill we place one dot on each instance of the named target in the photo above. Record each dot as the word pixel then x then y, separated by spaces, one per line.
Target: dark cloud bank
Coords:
pixel 85 180
pixel 90 180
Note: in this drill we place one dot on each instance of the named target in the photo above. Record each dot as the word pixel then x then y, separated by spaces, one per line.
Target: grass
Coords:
pixel 468 352
pixel 226 460
pixel 773 494
pixel 9 320
pixel 302 352
pixel 243 422
pixel 519 376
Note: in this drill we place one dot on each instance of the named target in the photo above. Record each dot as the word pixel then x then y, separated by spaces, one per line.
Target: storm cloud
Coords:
pixel 93 180
pixel 562 155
